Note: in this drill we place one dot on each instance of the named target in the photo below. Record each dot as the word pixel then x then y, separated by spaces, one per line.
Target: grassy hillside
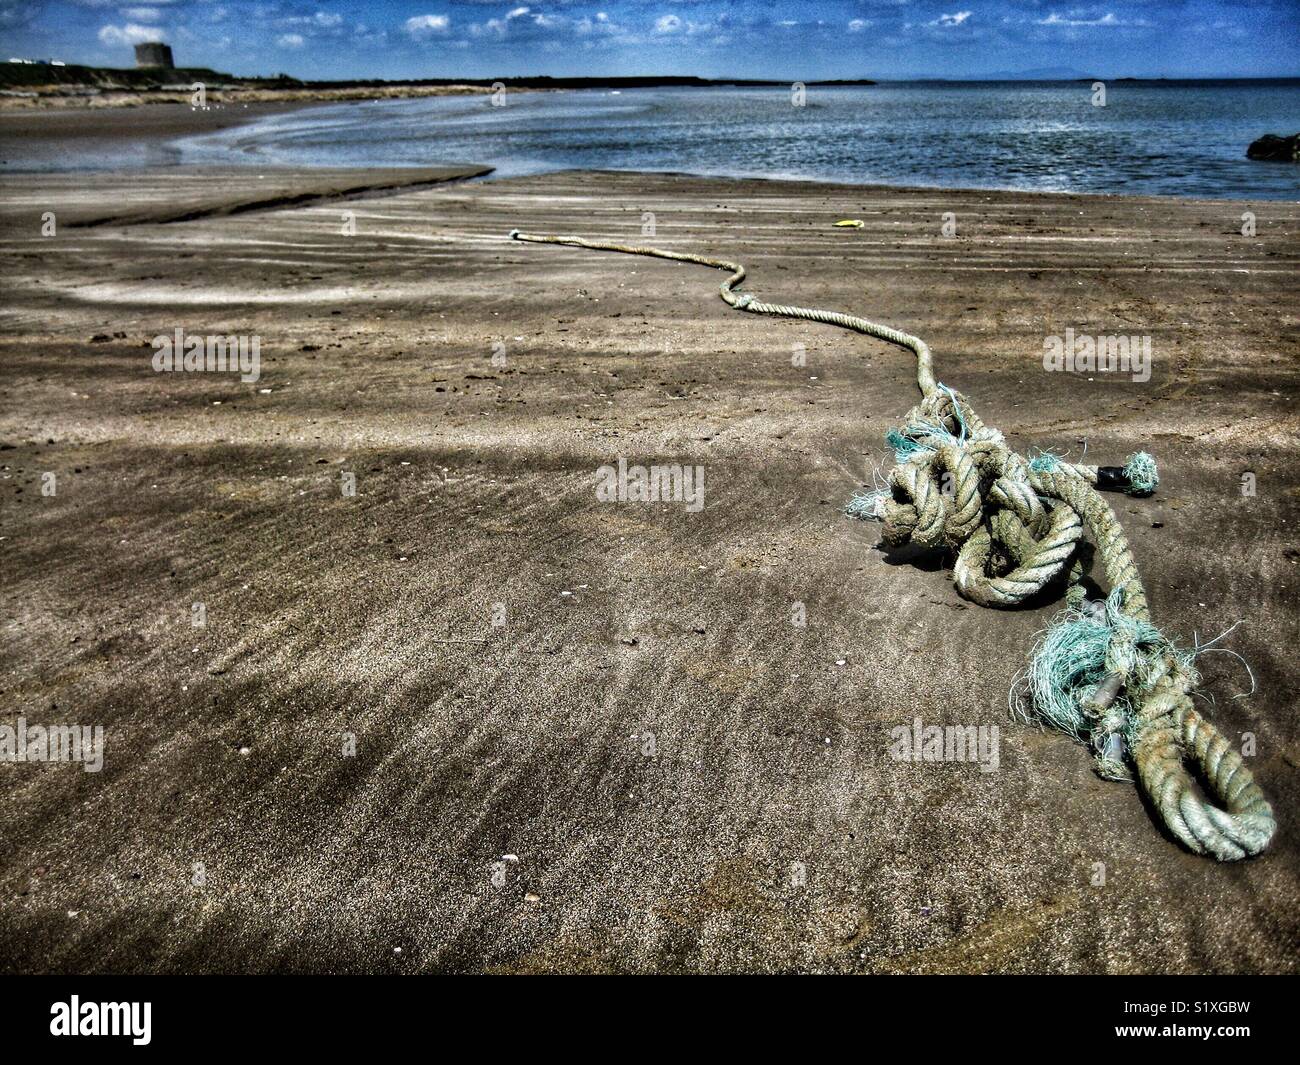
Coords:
pixel 34 75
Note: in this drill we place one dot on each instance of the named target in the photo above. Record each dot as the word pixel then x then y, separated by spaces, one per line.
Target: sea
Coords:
pixel 1162 138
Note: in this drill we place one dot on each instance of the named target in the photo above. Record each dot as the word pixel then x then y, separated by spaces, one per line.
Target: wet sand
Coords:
pixel 131 198
pixel 53 137
pixel 506 808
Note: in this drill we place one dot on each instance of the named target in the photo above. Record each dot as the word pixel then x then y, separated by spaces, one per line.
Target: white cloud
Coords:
pixel 322 20
pixel 131 33
pixel 857 25
pixel 1060 20
pixel 142 14
pixel 290 40
pixel 951 20
pixel 554 32
pixel 501 26
pixel 671 25
pixel 422 26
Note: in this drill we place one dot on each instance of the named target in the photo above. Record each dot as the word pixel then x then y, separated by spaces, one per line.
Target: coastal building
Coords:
pixel 153 54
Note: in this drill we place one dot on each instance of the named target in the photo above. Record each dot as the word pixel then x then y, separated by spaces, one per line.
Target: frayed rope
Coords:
pixel 867 506
pixel 1045 462
pixel 919 438
pixel 1142 473
pixel 1079 652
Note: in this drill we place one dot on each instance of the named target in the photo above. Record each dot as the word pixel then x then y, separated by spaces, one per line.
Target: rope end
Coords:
pixel 1139 476
pixel 1142 473
pixel 867 506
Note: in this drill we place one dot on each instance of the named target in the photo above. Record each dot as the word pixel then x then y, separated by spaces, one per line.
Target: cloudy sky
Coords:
pixel 781 39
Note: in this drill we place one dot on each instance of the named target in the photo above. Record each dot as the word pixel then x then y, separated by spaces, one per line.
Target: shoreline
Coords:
pixel 44 131
pixel 890 187
pixel 143 137
pixel 107 100
pixel 303 178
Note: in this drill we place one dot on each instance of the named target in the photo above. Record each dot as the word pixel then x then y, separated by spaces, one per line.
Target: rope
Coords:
pixel 745 302
pixel 1102 672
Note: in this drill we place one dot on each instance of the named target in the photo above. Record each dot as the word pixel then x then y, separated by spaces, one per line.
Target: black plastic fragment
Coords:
pixel 1112 478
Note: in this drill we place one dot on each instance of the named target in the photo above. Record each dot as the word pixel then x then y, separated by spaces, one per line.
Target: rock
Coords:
pixel 1274 149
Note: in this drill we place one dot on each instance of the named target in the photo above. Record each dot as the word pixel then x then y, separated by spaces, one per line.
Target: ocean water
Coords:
pixel 1168 139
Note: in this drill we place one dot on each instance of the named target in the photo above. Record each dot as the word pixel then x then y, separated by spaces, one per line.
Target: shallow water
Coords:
pixel 1172 139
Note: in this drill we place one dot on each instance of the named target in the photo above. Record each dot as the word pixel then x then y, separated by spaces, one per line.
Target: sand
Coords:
pixel 63 137
pixel 506 808
pixel 209 192
pixel 56 99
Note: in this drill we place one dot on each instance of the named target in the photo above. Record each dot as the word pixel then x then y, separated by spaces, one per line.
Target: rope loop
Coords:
pixel 1167 736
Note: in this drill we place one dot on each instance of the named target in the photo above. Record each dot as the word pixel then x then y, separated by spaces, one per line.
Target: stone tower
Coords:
pixel 153 54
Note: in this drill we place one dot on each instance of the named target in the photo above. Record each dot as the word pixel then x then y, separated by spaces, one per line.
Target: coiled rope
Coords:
pixel 1102 672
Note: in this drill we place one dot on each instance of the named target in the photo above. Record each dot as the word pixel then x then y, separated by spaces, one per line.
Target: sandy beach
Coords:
pixel 471 719
pixel 61 136
pixel 60 100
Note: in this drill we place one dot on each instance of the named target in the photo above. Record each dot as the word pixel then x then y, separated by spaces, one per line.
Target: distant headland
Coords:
pixel 31 83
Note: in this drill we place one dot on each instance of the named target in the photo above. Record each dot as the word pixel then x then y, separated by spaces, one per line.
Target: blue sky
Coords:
pixel 780 39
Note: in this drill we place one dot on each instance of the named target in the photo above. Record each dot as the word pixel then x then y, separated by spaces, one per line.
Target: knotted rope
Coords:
pixel 1102 672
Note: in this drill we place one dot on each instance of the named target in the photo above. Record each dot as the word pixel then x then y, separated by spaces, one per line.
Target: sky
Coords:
pixel 788 40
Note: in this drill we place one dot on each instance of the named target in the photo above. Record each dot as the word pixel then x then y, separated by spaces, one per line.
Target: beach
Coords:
pixel 79 100
pixel 46 135
pixel 387 688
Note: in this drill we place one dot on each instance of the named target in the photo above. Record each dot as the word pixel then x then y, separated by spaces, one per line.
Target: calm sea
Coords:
pixel 1169 139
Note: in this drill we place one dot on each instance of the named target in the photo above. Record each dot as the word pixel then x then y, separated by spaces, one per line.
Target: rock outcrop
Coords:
pixel 1274 149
